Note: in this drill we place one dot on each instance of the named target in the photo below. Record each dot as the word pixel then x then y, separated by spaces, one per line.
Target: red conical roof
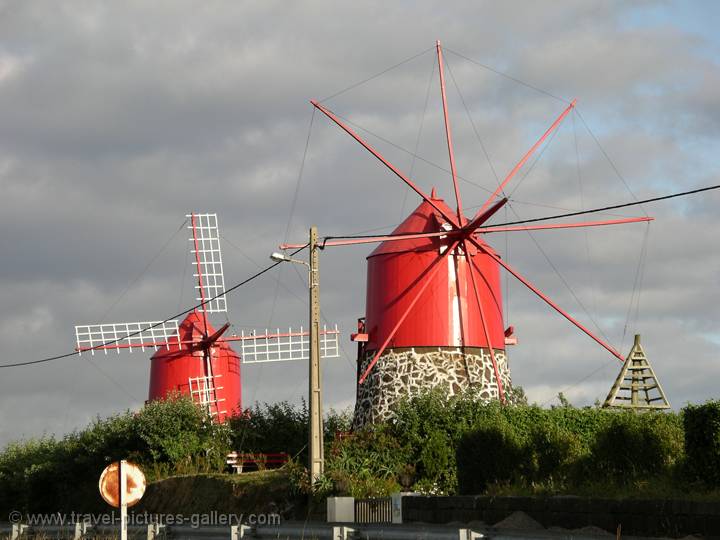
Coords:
pixel 424 219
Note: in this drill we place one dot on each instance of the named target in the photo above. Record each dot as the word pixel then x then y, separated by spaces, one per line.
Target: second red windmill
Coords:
pixel 191 357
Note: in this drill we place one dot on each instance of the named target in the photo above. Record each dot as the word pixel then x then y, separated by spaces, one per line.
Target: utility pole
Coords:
pixel 316 443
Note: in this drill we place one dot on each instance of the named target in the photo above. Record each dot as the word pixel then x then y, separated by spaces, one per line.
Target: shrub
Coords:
pixel 585 423
pixel 60 475
pixel 635 446
pixel 553 451
pixel 489 454
pixel 436 463
pixel 365 456
pixel 702 442
pixel 174 430
pixel 431 426
pixel 336 423
pixel 270 428
pixel 24 467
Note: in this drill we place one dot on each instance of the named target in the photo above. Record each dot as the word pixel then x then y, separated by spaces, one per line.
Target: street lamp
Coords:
pixel 315 442
pixel 281 257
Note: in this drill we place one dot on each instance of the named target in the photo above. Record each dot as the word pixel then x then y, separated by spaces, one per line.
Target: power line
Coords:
pixel 557 216
pixel 176 316
pixel 614 207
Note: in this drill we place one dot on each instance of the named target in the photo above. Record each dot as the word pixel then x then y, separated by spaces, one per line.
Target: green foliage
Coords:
pixel 553 452
pixel 436 460
pixel 175 430
pixel 336 423
pixel 271 428
pixel 166 437
pixel 564 402
pixel 282 427
pixel 515 395
pixel 24 467
pixel 634 446
pixel 585 423
pixel 555 447
pixel 366 463
pixel 430 427
pixel 702 442
pixel 434 445
pixel 489 454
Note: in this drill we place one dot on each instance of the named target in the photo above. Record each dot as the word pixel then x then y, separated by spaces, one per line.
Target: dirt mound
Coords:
pixel 519 520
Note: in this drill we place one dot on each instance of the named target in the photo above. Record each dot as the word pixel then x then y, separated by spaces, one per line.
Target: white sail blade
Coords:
pixel 205 242
pixel 282 347
pixel 204 391
pixel 135 335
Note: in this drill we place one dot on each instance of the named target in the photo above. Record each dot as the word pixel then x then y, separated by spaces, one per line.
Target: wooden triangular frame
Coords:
pixel 637 387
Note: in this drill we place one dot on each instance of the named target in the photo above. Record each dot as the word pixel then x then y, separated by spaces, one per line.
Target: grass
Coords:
pixel 252 492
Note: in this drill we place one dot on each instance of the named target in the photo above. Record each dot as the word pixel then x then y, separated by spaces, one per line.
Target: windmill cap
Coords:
pixel 423 219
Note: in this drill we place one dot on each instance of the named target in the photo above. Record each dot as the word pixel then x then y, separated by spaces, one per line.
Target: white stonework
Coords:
pixel 401 373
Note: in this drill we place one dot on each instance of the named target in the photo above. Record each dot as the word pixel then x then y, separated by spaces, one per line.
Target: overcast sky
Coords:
pixel 118 118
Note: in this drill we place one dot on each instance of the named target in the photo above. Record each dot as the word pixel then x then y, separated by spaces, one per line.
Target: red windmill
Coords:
pixel 434 304
pixel 192 357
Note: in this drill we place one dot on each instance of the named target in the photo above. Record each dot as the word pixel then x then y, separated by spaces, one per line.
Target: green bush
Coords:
pixel 636 446
pixel 436 461
pixel 282 427
pixel 437 444
pixel 585 422
pixel 24 467
pixel 490 454
pixel 366 463
pixel 431 427
pixel 271 428
pixel 166 437
pixel 174 430
pixel 702 442
pixel 554 451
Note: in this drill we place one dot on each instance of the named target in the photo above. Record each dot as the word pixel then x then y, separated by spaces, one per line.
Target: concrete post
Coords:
pixel 315 444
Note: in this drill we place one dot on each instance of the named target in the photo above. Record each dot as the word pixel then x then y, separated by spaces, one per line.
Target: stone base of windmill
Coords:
pixel 404 373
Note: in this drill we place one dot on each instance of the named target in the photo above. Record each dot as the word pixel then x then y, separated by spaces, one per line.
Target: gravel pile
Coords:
pixel 519 520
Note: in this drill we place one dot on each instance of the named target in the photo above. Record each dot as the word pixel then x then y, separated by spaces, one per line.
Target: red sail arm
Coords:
pixel 448 133
pixel 429 274
pixel 475 224
pixel 529 153
pixel 479 219
pixel 451 218
pixel 486 331
pixel 545 298
pixel 276 335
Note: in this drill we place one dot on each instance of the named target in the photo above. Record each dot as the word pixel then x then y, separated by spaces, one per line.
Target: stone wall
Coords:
pixel 403 373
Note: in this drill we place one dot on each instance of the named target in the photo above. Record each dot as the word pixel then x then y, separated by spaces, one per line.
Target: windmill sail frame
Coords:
pixel 134 335
pixel 208 262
